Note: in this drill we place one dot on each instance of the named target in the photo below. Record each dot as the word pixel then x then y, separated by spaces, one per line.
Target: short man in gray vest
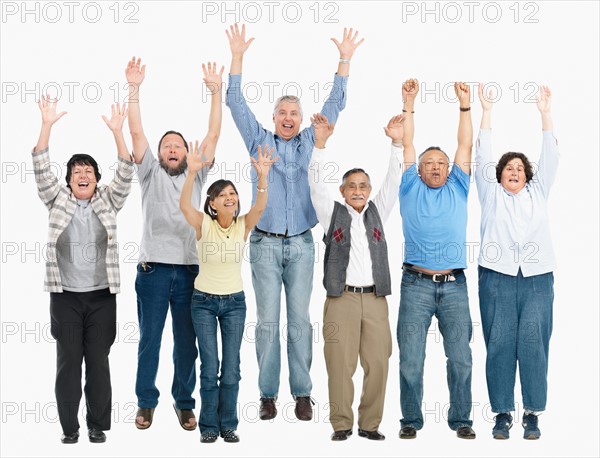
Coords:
pixel 357 279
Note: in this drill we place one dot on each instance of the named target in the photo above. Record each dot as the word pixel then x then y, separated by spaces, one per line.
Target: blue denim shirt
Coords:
pixel 289 207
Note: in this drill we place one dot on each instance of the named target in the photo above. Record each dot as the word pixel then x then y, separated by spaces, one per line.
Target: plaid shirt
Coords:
pixel 106 202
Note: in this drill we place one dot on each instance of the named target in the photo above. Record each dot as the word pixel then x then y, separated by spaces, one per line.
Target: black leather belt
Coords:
pixel 360 289
pixel 436 278
pixel 278 236
pixel 272 234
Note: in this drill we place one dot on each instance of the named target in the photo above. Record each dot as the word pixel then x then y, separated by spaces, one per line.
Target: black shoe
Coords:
pixel 268 411
pixel 70 438
pixel 408 432
pixel 373 435
pixel 229 435
pixel 208 437
pixel 96 436
pixel 466 432
pixel 341 435
pixel 303 408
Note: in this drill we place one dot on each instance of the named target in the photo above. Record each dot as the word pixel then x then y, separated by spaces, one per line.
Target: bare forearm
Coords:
pixel 486 119
pixel 135 115
pixel 343 67
pixel 408 110
pixel 185 200
pixel 465 130
pixel 44 138
pixel 261 197
pixel 547 123
pixel 236 64
pixel 121 145
pixel 216 116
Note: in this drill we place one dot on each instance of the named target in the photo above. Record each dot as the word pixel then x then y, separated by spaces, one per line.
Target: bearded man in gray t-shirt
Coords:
pixel 168 262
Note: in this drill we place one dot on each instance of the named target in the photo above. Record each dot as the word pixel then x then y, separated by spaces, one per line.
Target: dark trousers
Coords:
pixel 84 326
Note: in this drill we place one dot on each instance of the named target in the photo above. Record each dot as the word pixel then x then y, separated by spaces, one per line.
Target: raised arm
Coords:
pixel 485 170
pixel 346 48
pixel 388 193
pixel 115 124
pixel 46 181
pixel 135 73
pixel 548 163
pixel 214 83
pixel 486 106
pixel 49 117
pixel 244 119
pixel 336 100
pixel 120 187
pixel 465 129
pixel 544 104
pixel 319 195
pixel 262 165
pixel 238 45
pixel 196 162
pixel 410 89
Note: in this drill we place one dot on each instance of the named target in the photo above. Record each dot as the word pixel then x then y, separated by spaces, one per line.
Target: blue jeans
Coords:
pixel 159 286
pixel 289 261
pixel 420 299
pixel 516 314
pixel 219 394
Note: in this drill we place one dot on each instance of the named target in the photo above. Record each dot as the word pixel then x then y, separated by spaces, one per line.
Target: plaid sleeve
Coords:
pixel 45 179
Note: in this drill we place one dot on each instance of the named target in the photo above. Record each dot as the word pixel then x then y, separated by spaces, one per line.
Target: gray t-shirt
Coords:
pixel 167 237
pixel 81 251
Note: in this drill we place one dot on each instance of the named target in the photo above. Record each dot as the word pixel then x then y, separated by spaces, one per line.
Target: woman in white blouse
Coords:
pixel 516 261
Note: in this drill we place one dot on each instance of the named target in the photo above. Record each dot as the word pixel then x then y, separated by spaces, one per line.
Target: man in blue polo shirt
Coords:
pixel 433 205
pixel 281 244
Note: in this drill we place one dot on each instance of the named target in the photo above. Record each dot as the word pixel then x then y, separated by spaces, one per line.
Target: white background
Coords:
pixel 87 48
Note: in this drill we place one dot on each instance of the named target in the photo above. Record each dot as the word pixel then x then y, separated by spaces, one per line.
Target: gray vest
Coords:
pixel 337 251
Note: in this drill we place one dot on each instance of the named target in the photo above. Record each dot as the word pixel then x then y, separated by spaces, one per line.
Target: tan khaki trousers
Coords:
pixel 356 325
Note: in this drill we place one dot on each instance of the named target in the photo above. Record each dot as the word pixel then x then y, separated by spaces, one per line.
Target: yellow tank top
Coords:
pixel 220 252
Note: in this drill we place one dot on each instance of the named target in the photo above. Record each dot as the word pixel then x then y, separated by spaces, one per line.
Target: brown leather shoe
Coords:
pixel 341 435
pixel 408 432
pixel 466 432
pixel 268 411
pixel 372 435
pixel 303 408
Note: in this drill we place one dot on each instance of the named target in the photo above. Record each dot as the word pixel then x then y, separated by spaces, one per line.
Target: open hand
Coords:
pixel 237 39
pixel 544 99
pixel 135 72
pixel 195 157
pixel 118 115
pixel 265 160
pixel 48 108
pixel 395 129
pixel 348 44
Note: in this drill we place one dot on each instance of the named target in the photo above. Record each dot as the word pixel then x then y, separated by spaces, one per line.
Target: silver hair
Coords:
pixel 290 99
pixel 352 172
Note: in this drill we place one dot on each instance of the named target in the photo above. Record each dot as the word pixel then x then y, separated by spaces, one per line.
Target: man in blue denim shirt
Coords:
pixel 281 246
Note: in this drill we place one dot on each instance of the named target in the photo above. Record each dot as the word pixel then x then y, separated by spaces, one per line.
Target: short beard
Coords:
pixel 173 172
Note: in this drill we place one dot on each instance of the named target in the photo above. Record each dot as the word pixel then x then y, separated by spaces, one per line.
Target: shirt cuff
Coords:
pixel 235 78
pixel 340 80
pixel 398 151
pixel 485 132
pixel 37 153
pixel 318 154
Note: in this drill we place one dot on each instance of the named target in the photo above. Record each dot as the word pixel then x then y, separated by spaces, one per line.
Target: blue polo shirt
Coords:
pixel 434 221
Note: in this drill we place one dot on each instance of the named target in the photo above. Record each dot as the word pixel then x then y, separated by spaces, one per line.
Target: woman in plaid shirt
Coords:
pixel 82 272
